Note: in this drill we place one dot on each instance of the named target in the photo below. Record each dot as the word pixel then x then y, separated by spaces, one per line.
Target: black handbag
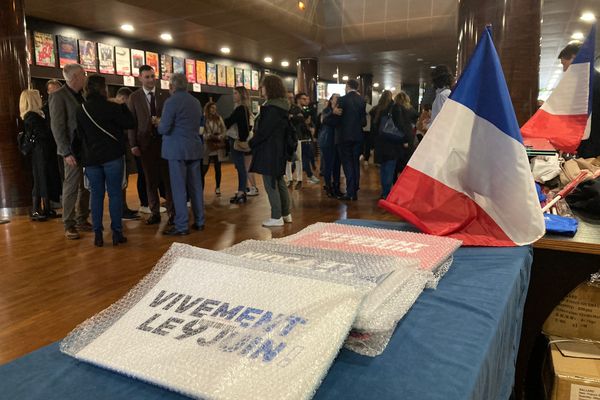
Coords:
pixel 26 143
pixel 389 130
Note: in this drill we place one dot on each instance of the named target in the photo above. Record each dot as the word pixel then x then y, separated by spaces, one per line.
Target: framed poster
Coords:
pixel 239 77
pixel 190 71
pixel 248 79
pixel 29 48
pixel 123 61
pixel 87 55
pixel 178 65
pixel 166 66
pixel 67 50
pixel 152 60
pixel 221 75
pixel 255 80
pixel 230 77
pixel 137 60
pixel 201 72
pixel 211 74
pixel 106 58
pixel 44 49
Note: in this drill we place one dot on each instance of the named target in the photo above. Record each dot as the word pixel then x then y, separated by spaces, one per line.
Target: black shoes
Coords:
pixel 238 198
pixel 197 227
pixel 153 220
pixel 98 240
pixel 130 214
pixel 347 198
pixel 175 232
pixel 118 238
pixel 39 217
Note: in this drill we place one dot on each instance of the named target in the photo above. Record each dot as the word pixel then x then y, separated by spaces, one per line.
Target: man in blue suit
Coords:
pixel 349 136
pixel 182 148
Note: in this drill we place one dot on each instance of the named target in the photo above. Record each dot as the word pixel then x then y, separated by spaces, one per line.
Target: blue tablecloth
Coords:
pixel 457 342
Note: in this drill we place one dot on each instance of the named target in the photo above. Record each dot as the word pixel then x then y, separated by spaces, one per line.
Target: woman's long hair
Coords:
pixel 402 99
pixel 30 101
pixel 383 104
pixel 207 115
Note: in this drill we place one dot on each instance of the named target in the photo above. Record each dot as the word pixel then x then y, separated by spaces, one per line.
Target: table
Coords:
pixel 457 342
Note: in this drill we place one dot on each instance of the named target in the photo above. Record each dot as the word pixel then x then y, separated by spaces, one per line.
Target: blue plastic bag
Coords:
pixel 560 225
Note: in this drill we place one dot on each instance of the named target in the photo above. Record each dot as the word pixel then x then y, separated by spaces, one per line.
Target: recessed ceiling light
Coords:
pixel 357 76
pixel 285 64
pixel 588 17
pixel 301 5
pixel 393 88
pixel 166 36
pixel 577 36
pixel 225 50
pixel 571 42
pixel 411 54
pixel 387 88
pixel 345 77
pixel 432 66
pixel 268 59
pixel 335 76
pixel 127 27
pixel 376 84
pixel 419 59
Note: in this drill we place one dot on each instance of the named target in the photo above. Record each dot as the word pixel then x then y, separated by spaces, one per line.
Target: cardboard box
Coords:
pixel 570 378
pixel 577 316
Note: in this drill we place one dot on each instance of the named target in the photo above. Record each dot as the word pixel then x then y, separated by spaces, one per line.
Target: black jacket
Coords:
pixel 240 117
pixel 386 150
pixel 96 146
pixel 298 120
pixel 268 143
pixel 354 117
pixel 35 126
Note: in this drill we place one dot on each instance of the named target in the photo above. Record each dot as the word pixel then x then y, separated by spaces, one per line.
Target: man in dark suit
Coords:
pixel 64 103
pixel 349 136
pixel 146 105
pixel 182 147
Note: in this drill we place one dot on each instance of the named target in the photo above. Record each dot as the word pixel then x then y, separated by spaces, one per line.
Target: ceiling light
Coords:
pixel 335 76
pixel 393 88
pixel 301 5
pixel 285 64
pixel 376 84
pixel 127 27
pixel 225 50
pixel 588 17
pixel 577 36
pixel 419 59
pixel 572 42
pixel 268 59
pixel 432 66
pixel 166 36
pixel 345 77
pixel 387 88
pixel 358 77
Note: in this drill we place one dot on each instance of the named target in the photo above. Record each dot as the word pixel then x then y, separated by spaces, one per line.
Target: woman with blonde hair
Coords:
pixel 214 143
pixel 46 181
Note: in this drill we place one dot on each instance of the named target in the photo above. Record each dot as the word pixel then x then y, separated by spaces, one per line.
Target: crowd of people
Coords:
pixel 87 144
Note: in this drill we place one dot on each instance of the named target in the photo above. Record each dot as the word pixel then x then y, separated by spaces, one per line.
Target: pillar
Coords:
pixel 365 86
pixel 516 28
pixel 15 181
pixel 307 77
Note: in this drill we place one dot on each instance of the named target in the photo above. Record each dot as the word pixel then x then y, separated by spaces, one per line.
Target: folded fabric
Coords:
pixel 560 225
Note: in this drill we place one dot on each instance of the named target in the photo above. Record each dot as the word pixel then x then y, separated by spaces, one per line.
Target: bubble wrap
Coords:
pixel 433 252
pixel 207 328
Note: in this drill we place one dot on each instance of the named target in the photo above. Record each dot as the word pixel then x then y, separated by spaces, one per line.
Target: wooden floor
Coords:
pixel 48 284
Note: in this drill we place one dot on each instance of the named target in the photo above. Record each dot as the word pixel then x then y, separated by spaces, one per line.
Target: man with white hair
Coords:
pixel 64 103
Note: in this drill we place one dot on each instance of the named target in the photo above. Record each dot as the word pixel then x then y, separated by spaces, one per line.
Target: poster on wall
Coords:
pixel 87 55
pixel 239 77
pixel 190 71
pixel 44 49
pixel 201 72
pixel 67 50
pixel 248 79
pixel 230 77
pixel 137 60
pixel 211 74
pixel 255 80
pixel 166 67
pixel 152 60
pixel 29 48
pixel 106 58
pixel 221 75
pixel 123 61
pixel 178 65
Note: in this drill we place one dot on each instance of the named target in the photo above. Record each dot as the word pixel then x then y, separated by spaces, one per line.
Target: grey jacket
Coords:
pixel 63 119
pixel 180 127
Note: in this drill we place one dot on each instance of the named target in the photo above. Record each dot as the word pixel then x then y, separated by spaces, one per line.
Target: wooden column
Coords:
pixel 307 77
pixel 15 175
pixel 516 28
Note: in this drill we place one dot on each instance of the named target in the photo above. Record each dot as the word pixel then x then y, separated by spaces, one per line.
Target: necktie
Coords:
pixel 152 105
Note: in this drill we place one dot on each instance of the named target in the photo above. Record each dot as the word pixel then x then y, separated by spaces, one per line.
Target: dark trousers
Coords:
pixel 156 170
pixel 217 164
pixel 110 176
pixel 387 172
pixel 238 160
pixel 186 179
pixel 349 156
pixel 367 145
pixel 330 160
pixel 141 182
pixel 279 197
pixel 308 157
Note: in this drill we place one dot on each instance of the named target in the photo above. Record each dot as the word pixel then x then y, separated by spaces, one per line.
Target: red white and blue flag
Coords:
pixel 565 118
pixel 470 177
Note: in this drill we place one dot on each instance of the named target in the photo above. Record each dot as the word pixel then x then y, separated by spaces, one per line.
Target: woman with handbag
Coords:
pixel 214 143
pixel 238 130
pixel 330 158
pixel 100 130
pixel 37 140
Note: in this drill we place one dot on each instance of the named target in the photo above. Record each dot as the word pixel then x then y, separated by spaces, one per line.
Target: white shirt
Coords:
pixel 367 127
pixel 148 98
pixel 441 95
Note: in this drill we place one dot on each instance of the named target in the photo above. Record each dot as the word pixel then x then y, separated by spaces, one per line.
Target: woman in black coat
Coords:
pixel 100 129
pixel 46 181
pixel 269 148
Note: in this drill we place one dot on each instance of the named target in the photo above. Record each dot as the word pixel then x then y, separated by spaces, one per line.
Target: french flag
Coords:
pixel 565 118
pixel 470 178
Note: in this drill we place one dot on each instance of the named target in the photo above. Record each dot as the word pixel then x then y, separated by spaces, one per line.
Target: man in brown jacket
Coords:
pixel 146 105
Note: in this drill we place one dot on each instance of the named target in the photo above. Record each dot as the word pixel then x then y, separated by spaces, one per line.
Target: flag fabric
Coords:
pixel 565 118
pixel 470 177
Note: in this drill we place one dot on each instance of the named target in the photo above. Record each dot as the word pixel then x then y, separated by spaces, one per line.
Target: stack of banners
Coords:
pixel 433 252
pixel 215 326
pixel 399 282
